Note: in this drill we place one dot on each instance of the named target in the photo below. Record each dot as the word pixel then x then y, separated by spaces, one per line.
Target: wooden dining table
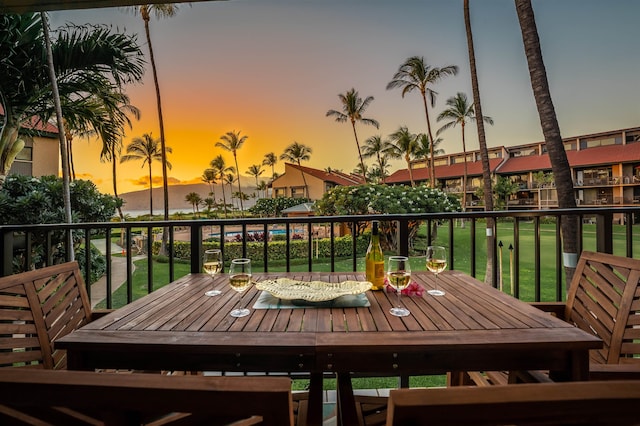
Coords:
pixel 472 327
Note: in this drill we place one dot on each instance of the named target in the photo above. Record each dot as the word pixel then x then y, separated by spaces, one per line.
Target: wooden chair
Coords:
pixel 38 396
pixel 584 403
pixel 36 308
pixel 603 299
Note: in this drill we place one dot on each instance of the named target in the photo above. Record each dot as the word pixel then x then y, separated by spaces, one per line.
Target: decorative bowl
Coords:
pixel 311 291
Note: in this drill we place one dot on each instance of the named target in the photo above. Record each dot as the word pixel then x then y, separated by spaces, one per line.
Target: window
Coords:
pixel 26 154
pixel 297 192
pixel 600 141
pixel 440 162
pixel 280 192
pixel 633 136
pixel 568 146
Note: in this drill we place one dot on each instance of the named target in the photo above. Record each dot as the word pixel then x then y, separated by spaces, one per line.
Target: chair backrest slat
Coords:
pixel 604 299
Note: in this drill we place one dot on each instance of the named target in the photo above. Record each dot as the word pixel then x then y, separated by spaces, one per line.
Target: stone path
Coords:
pixel 118 271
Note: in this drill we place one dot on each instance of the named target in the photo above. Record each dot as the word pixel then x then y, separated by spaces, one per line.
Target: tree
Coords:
pixel 209 203
pixel 353 106
pixel 404 144
pixel 194 199
pixel 270 160
pixel 503 189
pixel 376 147
pixel 262 186
pixel 459 111
pixel 415 74
pixel 380 172
pixel 255 170
pixel 89 61
pixel 484 153
pixel 209 176
pixel 160 11
pixel 423 152
pixel 297 152
pixel 147 149
pixel 229 178
pixel 219 165
pixel 232 142
pixel 551 132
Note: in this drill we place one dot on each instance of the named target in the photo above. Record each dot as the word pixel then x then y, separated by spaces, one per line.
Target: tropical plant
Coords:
pixel 262 187
pixel 551 132
pixel 194 199
pixel 380 172
pixel 232 142
pixel 484 153
pixel 353 107
pixel 503 189
pixel 404 144
pixel 297 152
pixel 255 170
pixel 272 207
pixel 91 63
pixel 229 178
pixel 221 170
pixel 209 177
pixel 415 74
pixel 270 160
pixel 375 146
pixel 459 111
pixel 147 150
pixel 423 152
pixel 209 204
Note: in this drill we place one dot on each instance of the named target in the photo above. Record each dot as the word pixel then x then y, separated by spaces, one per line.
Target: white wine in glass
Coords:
pixel 240 280
pixel 436 263
pixel 399 276
pixel 212 264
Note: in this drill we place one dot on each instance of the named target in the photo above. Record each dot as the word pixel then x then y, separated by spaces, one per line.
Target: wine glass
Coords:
pixel 436 263
pixel 212 264
pixel 240 280
pixel 399 275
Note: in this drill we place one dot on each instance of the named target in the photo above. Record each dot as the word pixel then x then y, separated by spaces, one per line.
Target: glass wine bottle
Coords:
pixel 374 260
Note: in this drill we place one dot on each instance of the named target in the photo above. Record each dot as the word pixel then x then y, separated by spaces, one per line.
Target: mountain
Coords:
pixel 137 202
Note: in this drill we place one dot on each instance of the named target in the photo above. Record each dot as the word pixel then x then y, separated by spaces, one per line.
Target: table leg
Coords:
pixel 346 401
pixel 314 412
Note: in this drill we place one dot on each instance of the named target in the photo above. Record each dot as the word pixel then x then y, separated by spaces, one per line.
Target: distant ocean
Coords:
pixel 156 212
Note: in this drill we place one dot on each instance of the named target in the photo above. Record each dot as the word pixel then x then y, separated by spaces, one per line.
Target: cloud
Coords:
pixel 89 176
pixel 192 180
pixel 157 181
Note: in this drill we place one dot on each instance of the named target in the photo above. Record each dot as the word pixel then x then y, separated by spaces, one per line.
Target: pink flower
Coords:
pixel 413 289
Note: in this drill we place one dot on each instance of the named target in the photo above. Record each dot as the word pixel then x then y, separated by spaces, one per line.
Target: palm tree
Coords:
pixel 219 165
pixel 415 74
pixel 232 142
pixel 262 186
pixel 209 176
pixel 255 170
pixel 352 109
pixel 229 178
pixel 297 152
pixel 147 149
pixel 109 61
pixel 375 146
pixel 380 172
pixel 160 11
pixel 484 153
pixel 551 132
pixel 194 199
pixel 270 160
pixel 459 111
pixel 404 144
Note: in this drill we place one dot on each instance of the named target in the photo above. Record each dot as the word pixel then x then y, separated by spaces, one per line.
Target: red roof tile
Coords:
pixel 474 168
pixel 35 124
pixel 336 177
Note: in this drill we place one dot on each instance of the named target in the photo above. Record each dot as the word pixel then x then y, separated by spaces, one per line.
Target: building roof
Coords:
pixel 610 154
pixel 474 168
pixel 300 208
pixel 339 178
pixel 35 123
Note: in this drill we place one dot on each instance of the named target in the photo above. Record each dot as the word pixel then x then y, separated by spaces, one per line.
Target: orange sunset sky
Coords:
pixel 272 68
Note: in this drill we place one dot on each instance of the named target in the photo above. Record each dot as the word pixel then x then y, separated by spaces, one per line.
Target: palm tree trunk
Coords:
pixel 150 191
pixel 432 167
pixel 66 190
pixel 551 132
pixel 355 134
pixel 408 160
pixel 464 172
pixel 163 146
pixel 235 158
pixel 484 155
pixel 115 183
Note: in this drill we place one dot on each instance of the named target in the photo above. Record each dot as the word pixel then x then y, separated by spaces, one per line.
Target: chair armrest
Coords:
pixel 554 308
pixel 99 313
pixel 614 371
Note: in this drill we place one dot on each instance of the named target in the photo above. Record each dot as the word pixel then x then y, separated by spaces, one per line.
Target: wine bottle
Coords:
pixel 374 260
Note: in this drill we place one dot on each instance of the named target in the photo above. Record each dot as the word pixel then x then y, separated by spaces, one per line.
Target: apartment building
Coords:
pixel 306 182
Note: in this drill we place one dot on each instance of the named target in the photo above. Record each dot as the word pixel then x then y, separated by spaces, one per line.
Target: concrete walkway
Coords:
pixel 118 271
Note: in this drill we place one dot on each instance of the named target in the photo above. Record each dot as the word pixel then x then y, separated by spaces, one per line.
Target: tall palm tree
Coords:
pixel 270 160
pixel 380 172
pixel 232 142
pixel 219 165
pixel 262 187
pixel 423 152
pixel 551 132
pixel 460 111
pixel 255 170
pixel 209 176
pixel 375 146
pixel 297 152
pixel 404 144
pixel 484 153
pixel 159 11
pixel 147 149
pixel 353 106
pixel 194 199
pixel 415 74
pixel 229 178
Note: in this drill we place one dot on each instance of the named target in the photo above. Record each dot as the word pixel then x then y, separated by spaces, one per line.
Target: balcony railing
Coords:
pixel 462 254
